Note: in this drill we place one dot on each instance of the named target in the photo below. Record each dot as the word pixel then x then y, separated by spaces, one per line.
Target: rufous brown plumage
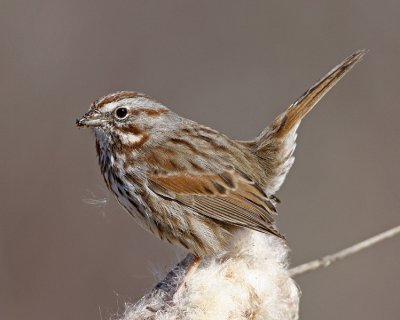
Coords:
pixel 189 184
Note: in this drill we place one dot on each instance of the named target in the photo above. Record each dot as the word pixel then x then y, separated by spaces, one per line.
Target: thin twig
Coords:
pixel 327 260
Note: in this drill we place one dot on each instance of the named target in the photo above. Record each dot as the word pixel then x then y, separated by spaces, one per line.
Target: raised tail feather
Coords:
pixel 275 145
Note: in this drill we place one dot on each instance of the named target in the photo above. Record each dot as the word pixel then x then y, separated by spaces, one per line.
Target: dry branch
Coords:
pixel 329 259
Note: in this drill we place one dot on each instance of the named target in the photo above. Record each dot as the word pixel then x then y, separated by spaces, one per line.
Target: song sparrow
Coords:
pixel 187 183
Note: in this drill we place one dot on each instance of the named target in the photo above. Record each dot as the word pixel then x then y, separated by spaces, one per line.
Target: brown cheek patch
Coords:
pixel 140 143
pixel 130 129
pixel 119 147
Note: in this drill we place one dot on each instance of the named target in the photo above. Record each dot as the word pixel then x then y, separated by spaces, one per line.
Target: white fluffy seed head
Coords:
pixel 249 282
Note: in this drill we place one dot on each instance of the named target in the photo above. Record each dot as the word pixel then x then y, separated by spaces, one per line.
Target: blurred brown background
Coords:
pixel 232 65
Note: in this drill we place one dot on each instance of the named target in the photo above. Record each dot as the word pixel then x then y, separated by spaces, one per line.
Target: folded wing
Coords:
pixel 228 197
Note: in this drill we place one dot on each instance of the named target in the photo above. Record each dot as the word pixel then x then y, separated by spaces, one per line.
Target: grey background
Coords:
pixel 232 65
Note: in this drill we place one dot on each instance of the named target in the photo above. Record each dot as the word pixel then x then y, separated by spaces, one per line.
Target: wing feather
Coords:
pixel 227 197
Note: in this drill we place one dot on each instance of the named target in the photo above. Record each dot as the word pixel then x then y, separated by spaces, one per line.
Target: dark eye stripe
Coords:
pixel 150 112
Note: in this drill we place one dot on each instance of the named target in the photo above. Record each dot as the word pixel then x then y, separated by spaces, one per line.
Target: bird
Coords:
pixel 189 184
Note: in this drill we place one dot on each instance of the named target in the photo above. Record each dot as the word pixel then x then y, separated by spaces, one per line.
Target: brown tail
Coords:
pixel 275 145
pixel 293 115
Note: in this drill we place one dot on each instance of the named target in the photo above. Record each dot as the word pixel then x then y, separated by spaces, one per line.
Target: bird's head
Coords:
pixel 127 118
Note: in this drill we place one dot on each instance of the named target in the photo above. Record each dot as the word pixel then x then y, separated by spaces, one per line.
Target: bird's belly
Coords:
pixel 168 220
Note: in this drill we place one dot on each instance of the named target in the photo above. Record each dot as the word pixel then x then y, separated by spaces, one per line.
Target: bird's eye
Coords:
pixel 121 113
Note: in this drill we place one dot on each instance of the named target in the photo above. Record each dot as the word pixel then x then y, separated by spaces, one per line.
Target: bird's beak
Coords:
pixel 92 118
